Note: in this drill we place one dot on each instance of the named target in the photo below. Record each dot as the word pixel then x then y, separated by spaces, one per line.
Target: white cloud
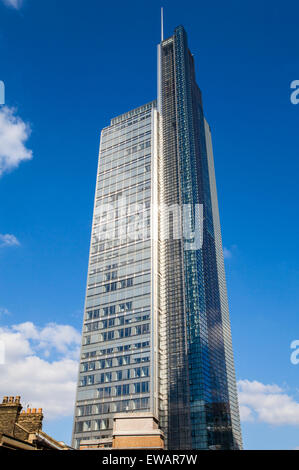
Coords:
pixel 8 240
pixel 14 133
pixel 52 337
pixel 41 365
pixel 267 403
pixel 13 3
pixel 246 413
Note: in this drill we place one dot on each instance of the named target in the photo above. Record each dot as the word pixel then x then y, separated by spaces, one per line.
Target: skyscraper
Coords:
pixel 156 330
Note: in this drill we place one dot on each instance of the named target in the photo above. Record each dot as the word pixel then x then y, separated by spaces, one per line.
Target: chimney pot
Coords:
pixel 33 410
pixel 5 399
pixel 40 410
pixel 11 400
pixel 18 399
pixel 28 410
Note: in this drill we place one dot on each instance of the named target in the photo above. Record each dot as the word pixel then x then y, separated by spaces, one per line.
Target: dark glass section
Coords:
pixel 195 318
pixel 177 420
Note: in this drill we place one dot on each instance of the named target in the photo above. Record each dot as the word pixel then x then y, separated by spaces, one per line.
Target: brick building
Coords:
pixel 22 430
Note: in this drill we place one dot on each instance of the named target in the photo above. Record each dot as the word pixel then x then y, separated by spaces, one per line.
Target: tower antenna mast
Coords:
pixel 162 25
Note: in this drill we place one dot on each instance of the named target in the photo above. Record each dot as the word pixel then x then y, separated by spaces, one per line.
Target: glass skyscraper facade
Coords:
pixel 156 331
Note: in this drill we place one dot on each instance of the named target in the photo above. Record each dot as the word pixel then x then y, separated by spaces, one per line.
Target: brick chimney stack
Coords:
pixel 9 412
pixel 31 419
pixel 11 416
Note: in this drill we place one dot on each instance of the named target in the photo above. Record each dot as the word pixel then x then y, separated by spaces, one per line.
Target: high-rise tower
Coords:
pixel 156 332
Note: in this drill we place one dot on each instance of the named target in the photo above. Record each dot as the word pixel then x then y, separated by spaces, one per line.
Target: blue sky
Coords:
pixel 68 67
